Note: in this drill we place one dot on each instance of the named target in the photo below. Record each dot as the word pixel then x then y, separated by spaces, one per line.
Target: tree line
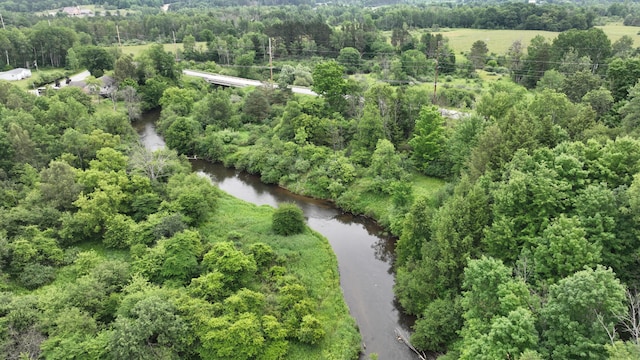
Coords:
pixel 298 30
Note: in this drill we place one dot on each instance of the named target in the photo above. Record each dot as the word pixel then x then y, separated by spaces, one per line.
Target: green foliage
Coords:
pixel 34 275
pixel 438 325
pixel 428 137
pixel 563 249
pixel 210 286
pixel 414 63
pixel 369 130
pixel 150 329
pixel 328 81
pixel 350 59
pixel 478 54
pixel 579 312
pixel 237 267
pixel 311 331
pixel 119 231
pixel 95 59
pixel 193 196
pixel 499 99
pixel 233 339
pixel 95 197
pixel 214 109
pixel 455 232
pixel 181 256
pixel 288 219
pixel 385 166
pixel 152 91
pixel 179 101
pixel 498 321
pixel 256 106
pixel 620 350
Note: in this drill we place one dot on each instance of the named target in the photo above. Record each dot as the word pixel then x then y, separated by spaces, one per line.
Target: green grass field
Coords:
pixel 499 41
pixel 616 30
pixel 136 50
pixel 460 40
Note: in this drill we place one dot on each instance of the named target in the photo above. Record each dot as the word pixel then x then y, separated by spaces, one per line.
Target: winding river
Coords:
pixel 364 253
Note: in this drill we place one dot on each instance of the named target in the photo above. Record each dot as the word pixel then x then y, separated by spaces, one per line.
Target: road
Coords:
pixel 240 82
pixel 80 76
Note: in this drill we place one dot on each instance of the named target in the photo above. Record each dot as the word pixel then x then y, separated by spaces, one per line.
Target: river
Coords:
pixel 364 253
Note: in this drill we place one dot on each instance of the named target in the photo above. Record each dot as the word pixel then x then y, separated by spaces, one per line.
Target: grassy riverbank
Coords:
pixel 308 257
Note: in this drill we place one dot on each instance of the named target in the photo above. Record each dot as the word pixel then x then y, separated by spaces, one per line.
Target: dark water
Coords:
pixel 364 253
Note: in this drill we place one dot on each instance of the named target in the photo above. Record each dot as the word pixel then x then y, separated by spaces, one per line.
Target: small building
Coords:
pixel 15 74
pixel 108 86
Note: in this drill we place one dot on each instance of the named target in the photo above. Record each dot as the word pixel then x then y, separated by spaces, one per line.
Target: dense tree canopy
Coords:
pixel 526 253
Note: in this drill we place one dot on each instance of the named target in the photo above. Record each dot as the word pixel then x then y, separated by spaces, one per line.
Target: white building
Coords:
pixel 15 74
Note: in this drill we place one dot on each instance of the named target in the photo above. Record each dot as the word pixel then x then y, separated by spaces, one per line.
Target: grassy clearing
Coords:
pixel 426 186
pixel 310 257
pixel 379 206
pixel 498 41
pixel 616 30
pixel 136 50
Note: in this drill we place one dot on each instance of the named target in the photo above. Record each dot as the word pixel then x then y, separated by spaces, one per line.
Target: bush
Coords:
pixel 310 331
pixel 288 219
pixel 35 275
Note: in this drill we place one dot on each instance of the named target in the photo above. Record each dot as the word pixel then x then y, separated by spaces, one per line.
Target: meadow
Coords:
pixel 499 41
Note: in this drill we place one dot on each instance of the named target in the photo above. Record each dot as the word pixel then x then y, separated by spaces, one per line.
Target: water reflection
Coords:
pixel 365 253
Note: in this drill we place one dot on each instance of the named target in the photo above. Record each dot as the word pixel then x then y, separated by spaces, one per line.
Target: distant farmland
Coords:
pixel 499 41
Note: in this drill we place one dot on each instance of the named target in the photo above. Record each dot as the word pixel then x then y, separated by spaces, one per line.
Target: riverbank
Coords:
pixel 365 255
pixel 309 258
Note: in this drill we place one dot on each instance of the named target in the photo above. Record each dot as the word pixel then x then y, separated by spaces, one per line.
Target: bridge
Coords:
pixel 233 81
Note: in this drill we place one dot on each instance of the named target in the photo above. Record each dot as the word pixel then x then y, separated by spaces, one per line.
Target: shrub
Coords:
pixel 310 331
pixel 33 276
pixel 288 219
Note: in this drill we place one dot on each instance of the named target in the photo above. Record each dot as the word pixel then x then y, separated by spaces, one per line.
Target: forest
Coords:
pixel 518 219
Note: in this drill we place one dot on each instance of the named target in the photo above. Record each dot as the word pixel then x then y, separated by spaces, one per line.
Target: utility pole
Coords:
pixel 118 32
pixel 6 52
pixel 270 61
pixel 435 81
pixel 175 46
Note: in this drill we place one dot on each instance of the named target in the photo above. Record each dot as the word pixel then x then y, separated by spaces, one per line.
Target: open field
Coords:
pixel 97 10
pixel 136 50
pixel 498 41
pixel 616 30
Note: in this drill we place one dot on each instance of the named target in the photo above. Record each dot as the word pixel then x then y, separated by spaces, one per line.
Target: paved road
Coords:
pixel 240 82
pixel 80 76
